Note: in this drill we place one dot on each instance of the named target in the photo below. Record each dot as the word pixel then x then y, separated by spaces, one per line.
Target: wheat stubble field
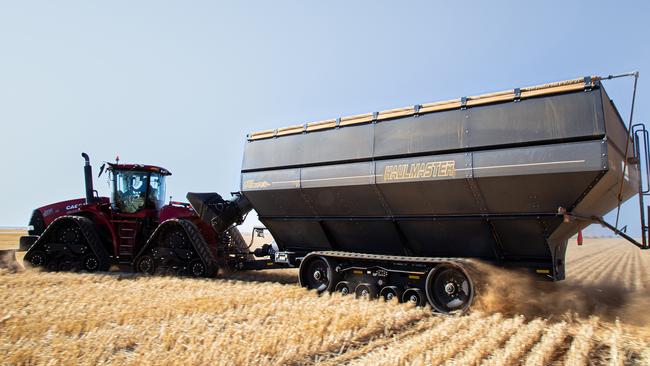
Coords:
pixel 598 316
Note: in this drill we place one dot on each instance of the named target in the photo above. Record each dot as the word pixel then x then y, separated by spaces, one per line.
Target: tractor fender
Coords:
pixel 196 238
pixel 88 230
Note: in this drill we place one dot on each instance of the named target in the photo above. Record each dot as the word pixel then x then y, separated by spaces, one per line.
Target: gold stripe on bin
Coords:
pixel 356 119
pixel 261 134
pixel 320 125
pixel 477 100
pixel 290 130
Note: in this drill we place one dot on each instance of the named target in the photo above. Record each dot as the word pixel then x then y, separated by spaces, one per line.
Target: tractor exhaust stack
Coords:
pixel 88 175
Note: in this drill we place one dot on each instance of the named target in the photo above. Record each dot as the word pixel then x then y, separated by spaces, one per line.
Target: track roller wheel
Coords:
pixel 90 263
pixel 449 289
pixel 318 274
pixel 197 268
pixel 343 287
pixel 415 296
pixel 365 291
pixel 146 264
pixel 389 293
pixel 38 259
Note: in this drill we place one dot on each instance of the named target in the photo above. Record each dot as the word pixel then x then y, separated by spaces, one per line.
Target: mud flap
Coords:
pixel 198 243
pixel 558 250
pixel 89 232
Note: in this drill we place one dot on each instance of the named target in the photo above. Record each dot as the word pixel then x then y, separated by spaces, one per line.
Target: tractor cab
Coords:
pixel 135 187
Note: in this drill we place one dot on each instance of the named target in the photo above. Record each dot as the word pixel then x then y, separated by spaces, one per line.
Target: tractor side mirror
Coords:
pixel 101 170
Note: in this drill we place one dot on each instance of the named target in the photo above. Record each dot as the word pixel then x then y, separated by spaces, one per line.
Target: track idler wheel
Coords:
pixel 318 274
pixel 449 289
pixel 146 264
pixel 197 268
pixel 38 259
pixel 414 296
pixel 90 263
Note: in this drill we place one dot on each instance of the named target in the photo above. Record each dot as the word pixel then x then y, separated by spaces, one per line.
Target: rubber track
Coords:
pixel 464 263
pixel 201 246
pixel 94 242
pixel 197 240
pixel 87 229
pixel 389 258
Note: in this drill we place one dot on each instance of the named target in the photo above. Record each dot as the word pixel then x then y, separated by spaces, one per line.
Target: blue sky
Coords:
pixel 181 83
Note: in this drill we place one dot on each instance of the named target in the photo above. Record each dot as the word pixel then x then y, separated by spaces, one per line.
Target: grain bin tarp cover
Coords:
pixel 476 177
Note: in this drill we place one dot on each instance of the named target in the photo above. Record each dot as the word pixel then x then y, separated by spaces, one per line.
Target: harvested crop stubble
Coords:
pixel 484 346
pixel 264 318
pixel 109 318
pixel 543 351
pixel 518 344
pixel 581 344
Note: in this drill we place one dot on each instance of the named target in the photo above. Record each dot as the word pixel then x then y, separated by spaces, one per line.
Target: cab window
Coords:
pixel 156 190
pixel 130 190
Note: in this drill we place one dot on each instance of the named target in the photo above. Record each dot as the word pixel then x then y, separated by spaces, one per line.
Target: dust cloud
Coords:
pixel 513 292
pixel 8 260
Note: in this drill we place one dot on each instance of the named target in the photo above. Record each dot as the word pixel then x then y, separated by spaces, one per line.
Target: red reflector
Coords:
pixel 580 237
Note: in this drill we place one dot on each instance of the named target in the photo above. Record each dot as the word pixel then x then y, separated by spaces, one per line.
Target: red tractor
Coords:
pixel 135 227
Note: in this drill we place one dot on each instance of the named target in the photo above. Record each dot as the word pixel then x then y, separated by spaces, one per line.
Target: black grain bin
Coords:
pixel 478 177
